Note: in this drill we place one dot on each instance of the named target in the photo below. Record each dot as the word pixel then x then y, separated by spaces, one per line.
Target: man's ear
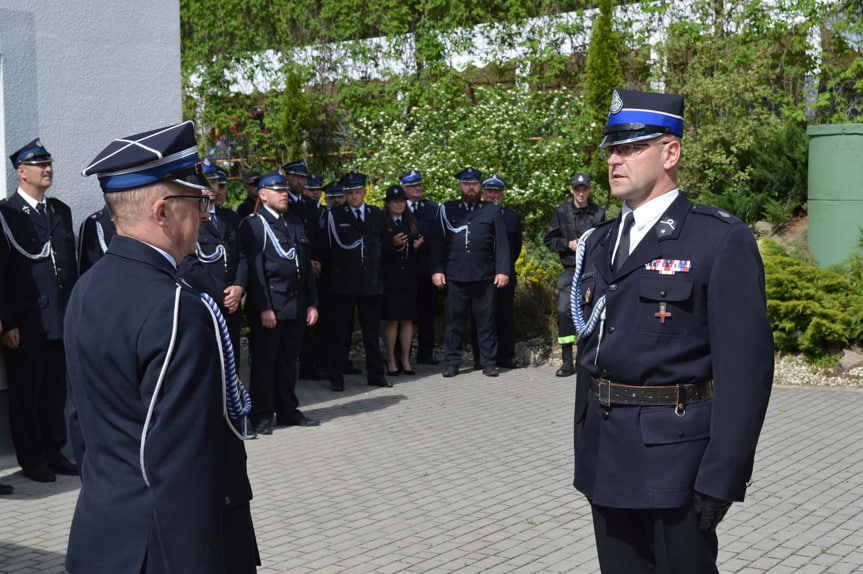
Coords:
pixel 159 212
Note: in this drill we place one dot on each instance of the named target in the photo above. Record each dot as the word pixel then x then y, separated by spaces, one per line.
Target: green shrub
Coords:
pixel 812 310
pixel 536 293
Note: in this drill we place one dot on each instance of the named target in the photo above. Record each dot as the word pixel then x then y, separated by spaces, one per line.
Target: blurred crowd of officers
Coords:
pixel 297 271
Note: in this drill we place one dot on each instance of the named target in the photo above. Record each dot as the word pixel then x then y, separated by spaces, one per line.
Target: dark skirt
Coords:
pixel 400 305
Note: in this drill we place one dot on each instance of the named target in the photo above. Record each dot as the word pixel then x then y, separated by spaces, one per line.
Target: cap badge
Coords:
pixel 616 103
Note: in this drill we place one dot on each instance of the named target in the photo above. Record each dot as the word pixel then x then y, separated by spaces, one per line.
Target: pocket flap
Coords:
pixel 661 425
pixel 664 288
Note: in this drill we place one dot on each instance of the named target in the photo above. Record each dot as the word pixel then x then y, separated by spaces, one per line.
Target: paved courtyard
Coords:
pixel 472 474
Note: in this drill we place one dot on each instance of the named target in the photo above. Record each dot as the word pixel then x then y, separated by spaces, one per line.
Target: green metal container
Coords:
pixel 835 191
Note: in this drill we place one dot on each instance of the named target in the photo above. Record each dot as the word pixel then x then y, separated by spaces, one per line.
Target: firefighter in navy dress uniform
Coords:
pixel 250 184
pixel 504 310
pixel 218 265
pixel 400 246
pixel 352 247
pixel 424 211
pixel 569 221
pixel 675 356
pixel 470 257
pixel 94 237
pixel 282 301
pixel 163 470
pixel 38 269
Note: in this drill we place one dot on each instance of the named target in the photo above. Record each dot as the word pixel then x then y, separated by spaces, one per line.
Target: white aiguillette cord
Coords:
pixel 236 403
pixel 46 249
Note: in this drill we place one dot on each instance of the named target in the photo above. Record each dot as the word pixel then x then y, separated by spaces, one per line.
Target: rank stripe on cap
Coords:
pixel 669 266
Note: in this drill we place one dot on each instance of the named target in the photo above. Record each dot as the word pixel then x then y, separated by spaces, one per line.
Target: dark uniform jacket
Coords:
pixel 90 246
pixel 426 216
pixel 286 286
pixel 399 263
pixel 570 222
pixel 479 252
pixel 36 291
pixel 118 330
pixel 514 234
pixel 308 211
pixel 649 457
pixel 246 207
pixel 355 271
pixel 214 277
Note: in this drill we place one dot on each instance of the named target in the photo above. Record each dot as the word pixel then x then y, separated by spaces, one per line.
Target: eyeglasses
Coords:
pixel 204 200
pixel 628 149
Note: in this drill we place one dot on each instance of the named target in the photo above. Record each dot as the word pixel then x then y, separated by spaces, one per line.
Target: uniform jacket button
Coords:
pixel 227 500
pixel 681 434
pixel 611 329
pixel 605 415
pixel 612 287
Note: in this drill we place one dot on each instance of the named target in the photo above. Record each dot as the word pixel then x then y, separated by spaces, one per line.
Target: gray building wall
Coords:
pixel 77 75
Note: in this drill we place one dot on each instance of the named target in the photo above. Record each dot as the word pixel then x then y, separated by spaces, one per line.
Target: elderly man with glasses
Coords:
pixel 675 354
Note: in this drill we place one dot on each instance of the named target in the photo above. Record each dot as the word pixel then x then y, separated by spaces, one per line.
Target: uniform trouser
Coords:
pixel 36 373
pixel 426 303
pixel 240 546
pixel 565 327
pixel 274 371
pixel 505 320
pixel 369 309
pixel 461 297
pixel 655 541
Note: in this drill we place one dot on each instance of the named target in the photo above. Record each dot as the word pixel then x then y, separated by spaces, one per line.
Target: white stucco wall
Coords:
pixel 78 74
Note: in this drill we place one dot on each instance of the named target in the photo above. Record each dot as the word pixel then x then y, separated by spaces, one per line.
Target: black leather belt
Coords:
pixel 610 393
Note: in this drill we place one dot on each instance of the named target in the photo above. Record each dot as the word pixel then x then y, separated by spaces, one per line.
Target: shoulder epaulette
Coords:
pixel 719 214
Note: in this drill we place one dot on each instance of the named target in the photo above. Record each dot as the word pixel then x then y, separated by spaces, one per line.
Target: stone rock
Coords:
pixel 850 360
pixel 523 353
pixel 763 228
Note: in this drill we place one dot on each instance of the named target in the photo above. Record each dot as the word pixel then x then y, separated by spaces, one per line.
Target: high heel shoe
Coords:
pixel 407 371
pixel 393 373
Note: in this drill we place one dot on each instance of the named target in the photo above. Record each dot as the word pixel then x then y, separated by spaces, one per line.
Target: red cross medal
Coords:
pixel 662 314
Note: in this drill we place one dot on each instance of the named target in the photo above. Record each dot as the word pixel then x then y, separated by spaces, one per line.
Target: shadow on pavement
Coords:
pixel 354 407
pixel 26 560
pixel 28 489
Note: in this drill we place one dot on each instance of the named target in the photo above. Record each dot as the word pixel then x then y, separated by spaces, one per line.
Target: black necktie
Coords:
pixel 413 206
pixel 623 246
pixel 40 207
pixel 214 221
pixel 397 222
pixel 358 214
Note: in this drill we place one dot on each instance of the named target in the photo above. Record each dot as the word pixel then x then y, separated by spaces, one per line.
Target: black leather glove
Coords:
pixel 710 511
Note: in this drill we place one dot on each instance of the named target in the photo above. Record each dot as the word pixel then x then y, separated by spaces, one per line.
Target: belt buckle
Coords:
pixel 604 401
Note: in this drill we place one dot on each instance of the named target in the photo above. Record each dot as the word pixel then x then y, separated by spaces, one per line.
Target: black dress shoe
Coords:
pixel 6 489
pixel 41 474
pixel 264 427
pixel 62 465
pixel 565 371
pixel 509 364
pixel 307 422
pixel 427 361
pixel 380 382
pixel 490 371
pixel 450 371
pixel 337 386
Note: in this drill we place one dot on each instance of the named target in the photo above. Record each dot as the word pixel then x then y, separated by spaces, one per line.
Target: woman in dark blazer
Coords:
pixel 401 242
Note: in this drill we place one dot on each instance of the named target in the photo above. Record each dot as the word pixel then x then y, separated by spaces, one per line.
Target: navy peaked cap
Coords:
pixel 580 179
pixel 413 177
pixel 334 189
pixel 251 177
pixel 395 192
pixel 222 176
pixel 353 180
pixel 296 168
pixel 314 182
pixel 469 175
pixel 165 154
pixel 636 116
pixel 32 153
pixel 494 182
pixel 272 180
pixel 210 169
